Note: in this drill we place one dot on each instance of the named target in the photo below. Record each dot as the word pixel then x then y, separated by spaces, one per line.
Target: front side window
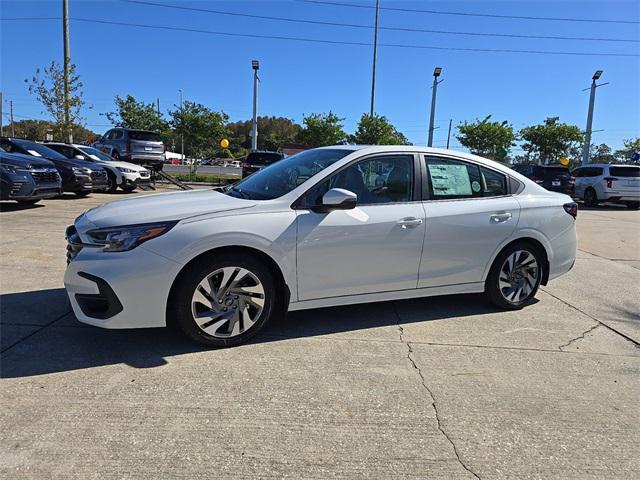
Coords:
pixel 383 179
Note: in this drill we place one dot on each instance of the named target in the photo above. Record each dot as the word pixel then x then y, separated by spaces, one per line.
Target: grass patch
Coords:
pixel 205 178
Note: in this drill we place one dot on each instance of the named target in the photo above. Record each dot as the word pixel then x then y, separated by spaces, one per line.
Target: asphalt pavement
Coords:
pixel 445 387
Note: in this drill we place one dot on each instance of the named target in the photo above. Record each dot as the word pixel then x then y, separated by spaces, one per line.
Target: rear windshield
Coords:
pixel 144 136
pixel 257 158
pixel 559 170
pixel 629 171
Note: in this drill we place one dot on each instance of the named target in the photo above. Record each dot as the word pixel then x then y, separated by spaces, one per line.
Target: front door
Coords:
pixel 374 247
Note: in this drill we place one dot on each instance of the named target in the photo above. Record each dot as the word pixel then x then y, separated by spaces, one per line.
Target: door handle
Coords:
pixel 500 217
pixel 410 222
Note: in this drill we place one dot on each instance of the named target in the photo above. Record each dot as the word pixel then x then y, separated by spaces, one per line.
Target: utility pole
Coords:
pixel 436 74
pixel 592 98
pixel 158 105
pixel 255 64
pixel 375 56
pixel 67 61
pixel 182 128
pixel 1 117
pixel 13 127
pixel 449 134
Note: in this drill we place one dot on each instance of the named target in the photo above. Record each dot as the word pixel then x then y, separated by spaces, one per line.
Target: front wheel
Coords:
pixel 590 197
pixel 112 184
pixel 82 193
pixel 223 302
pixel 514 277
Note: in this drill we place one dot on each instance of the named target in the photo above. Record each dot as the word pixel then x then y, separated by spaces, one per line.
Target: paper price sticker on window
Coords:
pixel 450 180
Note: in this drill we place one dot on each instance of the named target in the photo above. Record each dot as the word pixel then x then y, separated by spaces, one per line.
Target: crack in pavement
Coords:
pixel 579 337
pixel 431 395
pixel 37 331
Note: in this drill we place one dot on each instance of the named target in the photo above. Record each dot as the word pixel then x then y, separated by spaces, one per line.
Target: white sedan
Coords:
pixel 329 226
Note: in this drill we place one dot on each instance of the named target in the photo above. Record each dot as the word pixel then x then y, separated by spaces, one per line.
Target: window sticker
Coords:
pixel 475 186
pixel 34 153
pixel 450 180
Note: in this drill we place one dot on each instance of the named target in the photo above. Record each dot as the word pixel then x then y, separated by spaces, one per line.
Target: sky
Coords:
pixel 301 77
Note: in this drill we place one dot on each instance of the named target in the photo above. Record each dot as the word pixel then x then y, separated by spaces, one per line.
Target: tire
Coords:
pixel 112 182
pixel 115 155
pixel 28 202
pixel 233 319
pixel 82 194
pixel 633 205
pixel 128 189
pixel 513 288
pixel 590 197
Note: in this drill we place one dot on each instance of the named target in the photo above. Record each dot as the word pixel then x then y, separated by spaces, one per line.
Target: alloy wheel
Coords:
pixel 228 302
pixel 518 276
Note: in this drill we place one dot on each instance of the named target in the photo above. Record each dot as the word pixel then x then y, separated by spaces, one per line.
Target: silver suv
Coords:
pixel 601 182
pixel 136 146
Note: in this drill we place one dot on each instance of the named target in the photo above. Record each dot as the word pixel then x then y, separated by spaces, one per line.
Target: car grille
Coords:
pixel 73 243
pixel 45 176
pixel 15 187
pixel 144 173
pixel 99 177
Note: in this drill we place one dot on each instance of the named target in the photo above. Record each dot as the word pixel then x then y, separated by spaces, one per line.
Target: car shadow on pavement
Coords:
pixel 16 207
pixel 41 335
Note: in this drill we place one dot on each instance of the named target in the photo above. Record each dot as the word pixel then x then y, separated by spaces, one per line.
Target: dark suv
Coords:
pixel 556 178
pixel 255 161
pixel 136 146
pixel 78 176
pixel 27 179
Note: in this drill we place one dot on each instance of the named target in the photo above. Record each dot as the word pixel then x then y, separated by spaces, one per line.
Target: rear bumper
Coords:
pixel 620 196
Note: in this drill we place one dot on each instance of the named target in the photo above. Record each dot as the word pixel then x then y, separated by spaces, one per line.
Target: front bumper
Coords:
pixel 138 281
pixel 25 190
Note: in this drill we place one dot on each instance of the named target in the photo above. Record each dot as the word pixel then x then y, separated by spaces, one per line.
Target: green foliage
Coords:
pixel 321 129
pixel 486 138
pixel 37 130
pixel 48 87
pixel 631 145
pixel 132 113
pixel 205 178
pixel 551 140
pixel 273 133
pixel 377 130
pixel 602 154
pixel 201 127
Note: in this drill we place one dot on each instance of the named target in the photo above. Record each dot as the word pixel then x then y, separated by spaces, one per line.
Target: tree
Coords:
pixel 273 133
pixel 321 129
pixel 486 138
pixel 601 154
pixel 551 140
pixel 48 87
pixel 201 127
pixel 132 113
pixel 631 145
pixel 37 131
pixel 376 130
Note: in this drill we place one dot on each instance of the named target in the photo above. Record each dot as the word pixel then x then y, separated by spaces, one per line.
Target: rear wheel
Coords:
pixel 223 302
pixel 515 276
pixel 633 205
pixel 590 197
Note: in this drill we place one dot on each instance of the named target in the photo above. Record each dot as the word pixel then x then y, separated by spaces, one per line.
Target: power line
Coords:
pixel 369 27
pixel 467 14
pixel 341 42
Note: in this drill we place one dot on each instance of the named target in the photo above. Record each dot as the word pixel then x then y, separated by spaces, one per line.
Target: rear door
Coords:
pixel 469 213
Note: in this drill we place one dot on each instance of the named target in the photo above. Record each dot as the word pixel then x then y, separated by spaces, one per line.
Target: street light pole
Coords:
pixel 67 61
pixel 434 88
pixel 449 133
pixel 375 56
pixel 592 98
pixel 181 125
pixel 255 64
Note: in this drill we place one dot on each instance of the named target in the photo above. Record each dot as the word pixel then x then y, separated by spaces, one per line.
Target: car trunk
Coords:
pixel 557 178
pixel 145 143
pixel 625 179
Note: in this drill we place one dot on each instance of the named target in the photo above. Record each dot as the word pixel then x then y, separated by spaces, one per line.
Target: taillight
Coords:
pixel 571 209
pixel 572 179
pixel 610 181
pixel 537 179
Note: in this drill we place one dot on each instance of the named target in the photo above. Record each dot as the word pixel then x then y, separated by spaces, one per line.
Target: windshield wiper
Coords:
pixel 240 192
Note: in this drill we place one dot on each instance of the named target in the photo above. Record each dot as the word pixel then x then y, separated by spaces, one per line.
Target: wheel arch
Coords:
pixel 536 243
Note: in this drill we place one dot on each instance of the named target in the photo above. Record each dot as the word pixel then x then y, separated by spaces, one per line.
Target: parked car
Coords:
pixel 555 178
pixel 220 265
pixel 125 175
pixel 78 176
pixel 255 161
pixel 141 147
pixel 27 179
pixel 601 182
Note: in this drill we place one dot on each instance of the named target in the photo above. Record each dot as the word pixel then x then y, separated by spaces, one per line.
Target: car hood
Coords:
pixel 164 206
pixel 25 161
pixel 70 162
pixel 115 163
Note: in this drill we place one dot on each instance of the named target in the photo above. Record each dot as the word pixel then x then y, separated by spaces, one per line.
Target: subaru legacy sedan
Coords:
pixel 329 226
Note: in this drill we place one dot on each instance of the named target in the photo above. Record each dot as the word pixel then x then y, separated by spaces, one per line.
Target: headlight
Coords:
pixel 126 170
pixel 121 239
pixel 9 168
pixel 81 171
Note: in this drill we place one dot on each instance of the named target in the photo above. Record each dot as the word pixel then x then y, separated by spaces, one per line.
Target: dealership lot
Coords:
pixel 445 387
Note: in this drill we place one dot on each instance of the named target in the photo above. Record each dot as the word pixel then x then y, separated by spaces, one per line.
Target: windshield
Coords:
pixel 281 177
pixel 144 136
pixel 38 150
pixel 97 154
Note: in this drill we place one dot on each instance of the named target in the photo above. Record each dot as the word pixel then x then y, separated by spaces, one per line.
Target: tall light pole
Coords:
pixel 434 88
pixel 182 125
pixel 67 61
pixel 375 57
pixel 592 98
pixel 449 133
pixel 255 64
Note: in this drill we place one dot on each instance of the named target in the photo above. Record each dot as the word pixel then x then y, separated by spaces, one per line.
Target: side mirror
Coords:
pixel 338 199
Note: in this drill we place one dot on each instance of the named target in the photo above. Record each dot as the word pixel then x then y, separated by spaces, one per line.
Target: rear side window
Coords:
pixel 143 136
pixel 629 171
pixel 451 179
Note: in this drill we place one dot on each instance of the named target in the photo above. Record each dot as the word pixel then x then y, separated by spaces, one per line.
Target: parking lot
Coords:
pixel 444 387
